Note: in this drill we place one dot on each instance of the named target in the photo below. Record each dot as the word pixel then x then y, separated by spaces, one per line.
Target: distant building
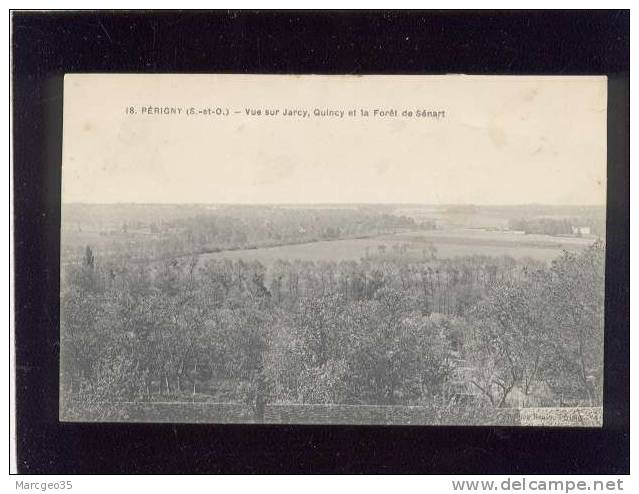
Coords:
pixel 581 230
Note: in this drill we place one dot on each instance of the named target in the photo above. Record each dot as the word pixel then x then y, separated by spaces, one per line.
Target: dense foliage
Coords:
pixel 492 331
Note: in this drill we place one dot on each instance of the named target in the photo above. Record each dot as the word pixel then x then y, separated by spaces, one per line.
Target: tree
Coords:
pixel 436 337
pixel 382 350
pixel 88 257
pixel 508 345
pixel 574 297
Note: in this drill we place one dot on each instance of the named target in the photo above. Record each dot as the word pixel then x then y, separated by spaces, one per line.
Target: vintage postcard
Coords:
pixel 306 249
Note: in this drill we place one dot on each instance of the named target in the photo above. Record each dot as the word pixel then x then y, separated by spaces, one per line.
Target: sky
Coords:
pixel 503 140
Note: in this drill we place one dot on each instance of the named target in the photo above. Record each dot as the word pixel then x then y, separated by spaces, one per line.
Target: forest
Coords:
pixel 147 232
pixel 484 331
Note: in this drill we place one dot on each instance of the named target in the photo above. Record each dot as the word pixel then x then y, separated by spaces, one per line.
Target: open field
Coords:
pixel 147 233
pixel 449 244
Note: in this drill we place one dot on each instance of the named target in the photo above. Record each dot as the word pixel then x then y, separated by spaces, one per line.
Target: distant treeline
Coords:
pixel 221 229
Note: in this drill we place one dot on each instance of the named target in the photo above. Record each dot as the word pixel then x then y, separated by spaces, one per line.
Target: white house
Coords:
pixel 581 230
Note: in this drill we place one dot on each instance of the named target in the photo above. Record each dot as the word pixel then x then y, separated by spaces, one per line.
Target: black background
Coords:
pixel 47 45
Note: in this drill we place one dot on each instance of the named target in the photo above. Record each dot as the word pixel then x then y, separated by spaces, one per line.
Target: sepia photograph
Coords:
pixel 333 249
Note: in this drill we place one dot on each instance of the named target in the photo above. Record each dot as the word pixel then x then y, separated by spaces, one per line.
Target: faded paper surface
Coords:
pixel 503 140
pixel 425 250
